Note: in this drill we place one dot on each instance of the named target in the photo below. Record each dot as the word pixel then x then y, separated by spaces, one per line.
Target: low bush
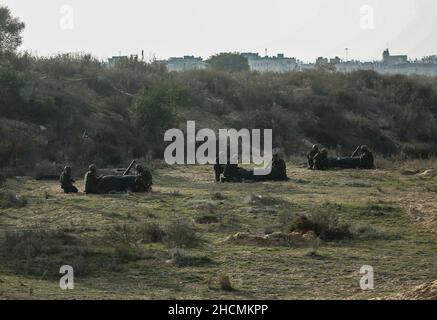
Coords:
pixel 182 259
pixel 181 233
pixel 12 200
pixel 326 225
pixel 39 252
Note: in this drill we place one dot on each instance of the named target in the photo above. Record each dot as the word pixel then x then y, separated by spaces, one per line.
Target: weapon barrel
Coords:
pixel 129 168
pixel 355 152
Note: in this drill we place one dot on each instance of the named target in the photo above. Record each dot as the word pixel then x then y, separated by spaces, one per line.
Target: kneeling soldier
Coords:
pixel 310 156
pixel 321 160
pixel 67 181
pixel 92 181
pixel 144 179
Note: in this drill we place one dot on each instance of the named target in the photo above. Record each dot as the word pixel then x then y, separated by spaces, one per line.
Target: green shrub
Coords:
pixel 181 233
pixel 152 233
pixel 125 235
pixel 38 252
pixel 182 259
pixel 326 225
pixel 12 200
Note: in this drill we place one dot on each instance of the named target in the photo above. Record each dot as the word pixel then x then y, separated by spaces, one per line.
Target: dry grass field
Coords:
pixel 171 243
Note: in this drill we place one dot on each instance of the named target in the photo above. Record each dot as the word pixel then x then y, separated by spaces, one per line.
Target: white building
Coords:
pixel 185 63
pixel 116 59
pixel 390 64
pixel 278 64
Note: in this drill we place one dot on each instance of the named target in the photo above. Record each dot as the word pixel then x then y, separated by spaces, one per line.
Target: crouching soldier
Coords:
pixel 321 160
pixel 279 169
pixel 144 180
pixel 218 168
pixel 66 181
pixel 92 181
pixel 366 158
pixel 310 156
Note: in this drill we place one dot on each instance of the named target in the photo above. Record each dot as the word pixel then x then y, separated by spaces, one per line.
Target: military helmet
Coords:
pixel 276 151
pixel 315 147
pixel 364 148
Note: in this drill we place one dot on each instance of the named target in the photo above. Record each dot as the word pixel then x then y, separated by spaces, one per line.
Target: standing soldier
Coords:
pixel 92 181
pixel 310 156
pixel 67 181
pixel 144 179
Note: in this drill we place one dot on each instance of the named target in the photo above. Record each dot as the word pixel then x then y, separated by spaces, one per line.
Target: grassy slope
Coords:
pixel 404 256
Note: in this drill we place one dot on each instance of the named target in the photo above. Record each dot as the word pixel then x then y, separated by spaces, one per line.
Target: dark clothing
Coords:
pixel 91 183
pixel 230 172
pixel 233 173
pixel 67 183
pixel 310 157
pixel 279 170
pixel 320 161
pixel 143 181
pixel 366 160
pixel 218 169
pixel 365 156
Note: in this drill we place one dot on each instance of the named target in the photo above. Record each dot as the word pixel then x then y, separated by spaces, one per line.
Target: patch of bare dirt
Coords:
pixel 422 209
pixel 276 239
pixel 429 173
pixel 426 291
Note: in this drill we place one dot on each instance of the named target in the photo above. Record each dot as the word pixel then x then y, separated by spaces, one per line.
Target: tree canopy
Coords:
pixel 10 31
pixel 229 62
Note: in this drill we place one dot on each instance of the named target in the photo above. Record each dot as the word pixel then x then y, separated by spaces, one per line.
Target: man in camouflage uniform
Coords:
pixel 321 160
pixel 143 180
pixel 66 181
pixel 366 158
pixel 310 156
pixel 92 181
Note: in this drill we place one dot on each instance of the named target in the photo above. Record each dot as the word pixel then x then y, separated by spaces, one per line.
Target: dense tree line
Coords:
pixel 74 108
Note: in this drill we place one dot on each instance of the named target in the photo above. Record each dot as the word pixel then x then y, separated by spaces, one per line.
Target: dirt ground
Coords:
pixel 391 212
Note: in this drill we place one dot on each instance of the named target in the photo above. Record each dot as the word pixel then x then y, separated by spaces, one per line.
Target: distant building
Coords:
pixel 278 64
pixel 116 59
pixel 430 59
pixel 335 60
pixel 388 59
pixel 321 61
pixel 185 63
pixel 388 65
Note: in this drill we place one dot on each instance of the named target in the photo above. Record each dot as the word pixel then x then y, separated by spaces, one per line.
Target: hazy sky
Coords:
pixel 304 29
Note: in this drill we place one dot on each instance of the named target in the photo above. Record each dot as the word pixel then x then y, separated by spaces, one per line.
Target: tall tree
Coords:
pixel 10 31
pixel 230 62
